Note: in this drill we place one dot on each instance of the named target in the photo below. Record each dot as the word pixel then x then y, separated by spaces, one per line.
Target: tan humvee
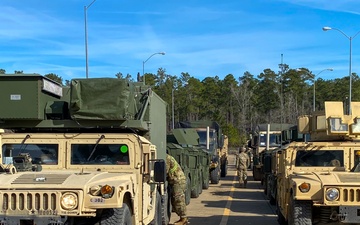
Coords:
pixel 91 153
pixel 319 181
pixel 81 177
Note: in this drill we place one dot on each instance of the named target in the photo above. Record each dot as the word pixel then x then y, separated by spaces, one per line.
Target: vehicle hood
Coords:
pixel 336 178
pixel 328 178
pixel 63 180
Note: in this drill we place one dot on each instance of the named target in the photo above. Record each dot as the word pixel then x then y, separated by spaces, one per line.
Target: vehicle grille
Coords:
pixel 35 203
pixel 350 195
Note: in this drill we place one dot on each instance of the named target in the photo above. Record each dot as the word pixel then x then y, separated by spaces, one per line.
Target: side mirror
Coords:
pixel 160 171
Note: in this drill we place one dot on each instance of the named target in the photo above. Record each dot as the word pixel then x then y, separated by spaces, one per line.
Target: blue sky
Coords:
pixel 201 37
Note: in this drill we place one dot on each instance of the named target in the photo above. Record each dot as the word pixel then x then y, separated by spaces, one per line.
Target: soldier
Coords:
pixel 242 164
pixel 177 182
pixel 357 162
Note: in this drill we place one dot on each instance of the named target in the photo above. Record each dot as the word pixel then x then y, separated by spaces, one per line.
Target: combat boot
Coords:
pixel 245 182
pixel 182 221
pixel 241 183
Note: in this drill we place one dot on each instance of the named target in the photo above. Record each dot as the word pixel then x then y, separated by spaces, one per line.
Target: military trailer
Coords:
pixel 215 142
pixel 91 153
pixel 318 180
pixel 182 145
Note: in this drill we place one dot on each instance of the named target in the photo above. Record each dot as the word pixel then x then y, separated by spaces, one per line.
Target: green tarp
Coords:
pixel 101 99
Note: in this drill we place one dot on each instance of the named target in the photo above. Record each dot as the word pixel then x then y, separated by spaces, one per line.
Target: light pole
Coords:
pixel 160 53
pixel 86 38
pixel 172 109
pixel 350 75
pixel 313 77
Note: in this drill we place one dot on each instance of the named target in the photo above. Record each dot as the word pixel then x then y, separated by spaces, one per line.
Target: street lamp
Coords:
pixel 160 53
pixel 350 75
pixel 313 77
pixel 172 108
pixel 86 38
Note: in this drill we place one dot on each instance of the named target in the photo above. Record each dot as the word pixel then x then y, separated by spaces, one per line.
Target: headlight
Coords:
pixel 304 187
pixel 332 194
pixel 69 201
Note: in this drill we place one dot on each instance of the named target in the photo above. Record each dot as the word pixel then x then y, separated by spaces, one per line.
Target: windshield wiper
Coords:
pixel 94 149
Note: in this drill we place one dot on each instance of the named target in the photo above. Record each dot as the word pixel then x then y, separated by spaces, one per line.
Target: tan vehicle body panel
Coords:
pixel 54 180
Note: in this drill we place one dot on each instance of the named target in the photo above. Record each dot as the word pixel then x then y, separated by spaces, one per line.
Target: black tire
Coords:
pixel 205 182
pixel 188 191
pixel 272 200
pixel 158 211
pixel 166 207
pixel 268 188
pixel 265 187
pixel 195 192
pixel 300 212
pixel 257 175
pixel 215 176
pixel 200 184
pixel 280 218
pixel 224 169
pixel 118 216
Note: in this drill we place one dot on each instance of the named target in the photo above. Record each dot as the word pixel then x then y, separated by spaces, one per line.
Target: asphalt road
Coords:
pixel 227 204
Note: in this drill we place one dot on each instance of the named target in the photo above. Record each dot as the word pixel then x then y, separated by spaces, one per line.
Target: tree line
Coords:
pixel 238 104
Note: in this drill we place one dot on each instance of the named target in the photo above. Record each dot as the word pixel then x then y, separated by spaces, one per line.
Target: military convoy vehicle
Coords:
pixel 91 153
pixel 265 137
pixel 271 161
pixel 215 142
pixel 182 145
pixel 318 180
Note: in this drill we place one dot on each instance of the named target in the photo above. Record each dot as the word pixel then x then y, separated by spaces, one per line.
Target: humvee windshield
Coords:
pixel 202 136
pixel 320 158
pixel 273 142
pixel 46 154
pixel 101 154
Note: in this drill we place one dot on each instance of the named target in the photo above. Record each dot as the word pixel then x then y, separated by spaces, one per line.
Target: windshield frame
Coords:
pixel 321 158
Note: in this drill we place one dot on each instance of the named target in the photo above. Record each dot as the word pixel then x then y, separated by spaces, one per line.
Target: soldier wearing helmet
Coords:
pixel 177 182
pixel 243 162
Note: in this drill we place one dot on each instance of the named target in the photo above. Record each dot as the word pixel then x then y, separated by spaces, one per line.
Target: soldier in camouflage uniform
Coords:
pixel 242 163
pixel 177 182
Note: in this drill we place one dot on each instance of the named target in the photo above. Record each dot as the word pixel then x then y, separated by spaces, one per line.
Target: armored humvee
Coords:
pixel 215 142
pixel 91 153
pixel 182 145
pixel 318 181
